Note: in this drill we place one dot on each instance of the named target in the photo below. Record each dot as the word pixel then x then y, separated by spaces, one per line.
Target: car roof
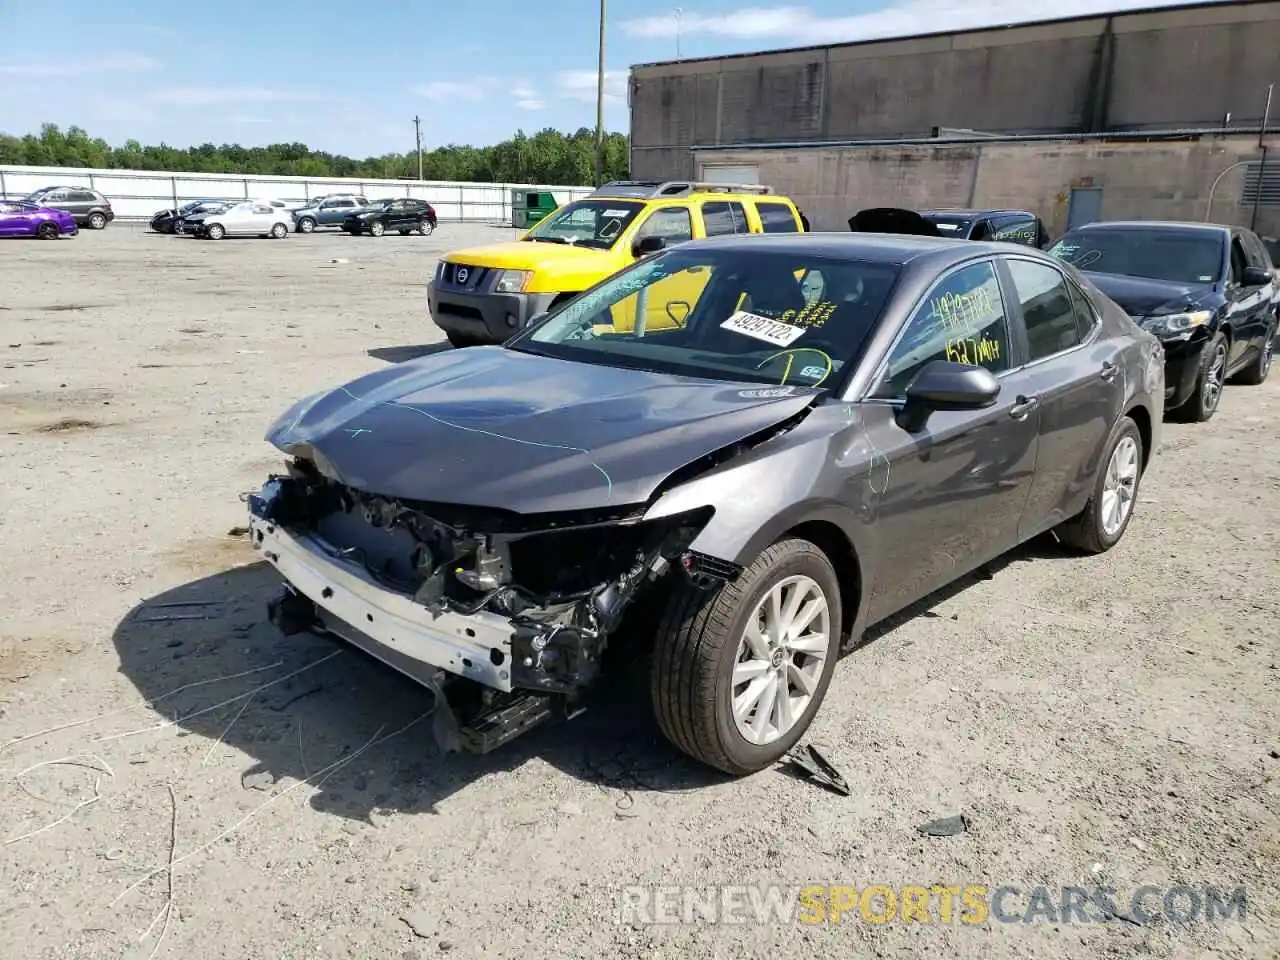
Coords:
pixel 1147 224
pixel 974 213
pixel 893 248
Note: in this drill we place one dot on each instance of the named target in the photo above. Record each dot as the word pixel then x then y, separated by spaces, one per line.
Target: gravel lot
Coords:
pixel 1110 721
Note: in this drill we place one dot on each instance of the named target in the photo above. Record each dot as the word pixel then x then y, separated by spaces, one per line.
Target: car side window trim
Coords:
pixel 1086 341
pixel 1016 343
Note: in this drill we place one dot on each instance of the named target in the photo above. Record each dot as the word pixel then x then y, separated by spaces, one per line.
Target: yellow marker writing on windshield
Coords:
pixel 791 357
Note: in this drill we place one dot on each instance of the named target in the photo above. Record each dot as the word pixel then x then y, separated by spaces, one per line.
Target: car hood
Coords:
pixel 492 427
pixel 1140 297
pixel 525 255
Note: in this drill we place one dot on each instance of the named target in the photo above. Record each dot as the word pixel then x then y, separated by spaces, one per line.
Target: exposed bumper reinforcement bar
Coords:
pixel 382 622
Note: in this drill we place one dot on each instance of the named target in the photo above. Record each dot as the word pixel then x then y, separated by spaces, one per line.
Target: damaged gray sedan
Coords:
pixel 730 458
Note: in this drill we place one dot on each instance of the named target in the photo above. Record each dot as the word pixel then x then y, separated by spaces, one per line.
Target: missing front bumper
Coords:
pixel 385 624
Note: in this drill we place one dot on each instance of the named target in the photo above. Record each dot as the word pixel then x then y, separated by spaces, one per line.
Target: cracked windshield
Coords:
pixel 727 315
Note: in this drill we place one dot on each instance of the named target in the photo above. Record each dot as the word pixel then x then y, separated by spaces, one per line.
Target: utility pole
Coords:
pixel 679 11
pixel 600 104
pixel 417 135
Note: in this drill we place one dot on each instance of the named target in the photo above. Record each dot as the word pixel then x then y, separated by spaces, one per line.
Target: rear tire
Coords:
pixel 711 642
pixel 97 221
pixel 1098 528
pixel 426 228
pixel 1255 374
pixel 279 231
pixel 47 231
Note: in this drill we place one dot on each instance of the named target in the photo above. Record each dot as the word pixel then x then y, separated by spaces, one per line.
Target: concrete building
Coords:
pixel 1136 114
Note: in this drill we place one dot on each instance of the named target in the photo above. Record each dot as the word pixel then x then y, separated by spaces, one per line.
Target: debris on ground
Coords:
pixel 422 923
pixel 818 770
pixel 945 827
pixel 262 780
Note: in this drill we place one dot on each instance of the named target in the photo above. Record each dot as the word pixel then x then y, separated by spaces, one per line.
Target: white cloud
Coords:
pixel 116 63
pixel 450 91
pixel 800 25
pixel 531 104
pixel 524 90
pixel 211 96
pixel 581 84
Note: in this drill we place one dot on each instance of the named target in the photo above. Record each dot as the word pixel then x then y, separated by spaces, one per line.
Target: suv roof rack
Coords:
pixel 673 188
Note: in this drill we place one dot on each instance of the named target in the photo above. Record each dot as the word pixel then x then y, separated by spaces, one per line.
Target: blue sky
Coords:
pixel 350 77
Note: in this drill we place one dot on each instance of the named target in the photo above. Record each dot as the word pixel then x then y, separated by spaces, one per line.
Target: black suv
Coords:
pixel 402 214
pixel 90 208
pixel 1001 226
pixel 1208 291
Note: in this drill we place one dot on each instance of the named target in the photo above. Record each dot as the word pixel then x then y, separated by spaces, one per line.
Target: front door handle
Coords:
pixel 1109 371
pixel 1023 406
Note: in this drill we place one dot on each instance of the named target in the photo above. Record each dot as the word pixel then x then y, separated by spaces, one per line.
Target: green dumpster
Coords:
pixel 530 206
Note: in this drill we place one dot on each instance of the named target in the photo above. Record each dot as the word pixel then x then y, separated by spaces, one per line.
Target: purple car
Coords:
pixel 19 219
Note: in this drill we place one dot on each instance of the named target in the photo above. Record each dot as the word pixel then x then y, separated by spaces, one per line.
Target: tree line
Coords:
pixel 548 156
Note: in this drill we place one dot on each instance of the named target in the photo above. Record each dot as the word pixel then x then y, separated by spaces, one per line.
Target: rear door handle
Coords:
pixel 1023 406
pixel 1109 371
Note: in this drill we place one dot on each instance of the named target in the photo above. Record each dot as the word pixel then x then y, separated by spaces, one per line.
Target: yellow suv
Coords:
pixel 485 294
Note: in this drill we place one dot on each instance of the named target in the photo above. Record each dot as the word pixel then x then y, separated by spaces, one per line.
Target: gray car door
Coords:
pixel 949 498
pixel 1257 326
pixel 1077 378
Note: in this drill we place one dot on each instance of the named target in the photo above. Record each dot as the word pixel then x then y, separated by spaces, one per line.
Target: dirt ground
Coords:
pixel 1112 721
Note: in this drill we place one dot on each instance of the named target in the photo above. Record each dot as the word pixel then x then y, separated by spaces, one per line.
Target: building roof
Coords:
pixel 1157 7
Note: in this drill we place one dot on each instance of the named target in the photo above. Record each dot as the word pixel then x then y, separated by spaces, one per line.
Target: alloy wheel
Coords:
pixel 1213 377
pixel 780 660
pixel 1119 486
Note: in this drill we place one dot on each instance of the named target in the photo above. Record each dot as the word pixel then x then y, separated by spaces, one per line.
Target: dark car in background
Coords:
pixel 402 214
pixel 187 224
pixel 839 426
pixel 21 219
pixel 327 211
pixel 89 207
pixel 165 221
pixel 1002 226
pixel 1207 291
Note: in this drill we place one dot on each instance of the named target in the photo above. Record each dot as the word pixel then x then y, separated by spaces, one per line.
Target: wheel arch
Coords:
pixel 1141 416
pixel 840 551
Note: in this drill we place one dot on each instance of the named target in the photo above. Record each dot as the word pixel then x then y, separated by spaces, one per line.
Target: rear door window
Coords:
pixel 1047 309
pixel 776 218
pixel 723 217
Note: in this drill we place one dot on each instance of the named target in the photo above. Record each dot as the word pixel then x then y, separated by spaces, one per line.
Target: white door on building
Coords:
pixel 724 173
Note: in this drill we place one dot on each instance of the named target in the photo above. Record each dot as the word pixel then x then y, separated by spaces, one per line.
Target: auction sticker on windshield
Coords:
pixel 764 328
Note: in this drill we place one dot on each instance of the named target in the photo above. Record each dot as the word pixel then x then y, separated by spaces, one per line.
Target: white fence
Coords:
pixel 138 194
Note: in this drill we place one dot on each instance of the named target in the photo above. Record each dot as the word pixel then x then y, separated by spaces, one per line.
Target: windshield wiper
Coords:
pixel 547 239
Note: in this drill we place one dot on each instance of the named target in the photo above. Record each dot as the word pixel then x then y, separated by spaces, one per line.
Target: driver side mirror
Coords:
pixel 647 245
pixel 943 385
pixel 536 319
pixel 1255 277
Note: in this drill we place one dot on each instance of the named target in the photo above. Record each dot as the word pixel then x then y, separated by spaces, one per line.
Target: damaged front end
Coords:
pixel 520 605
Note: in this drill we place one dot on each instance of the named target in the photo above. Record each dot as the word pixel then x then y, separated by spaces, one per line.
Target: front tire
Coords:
pixel 47 231
pixel 306 225
pixel 1105 518
pixel 377 228
pixel 739 673
pixel 461 339
pixel 97 221
pixel 1203 403
pixel 215 231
